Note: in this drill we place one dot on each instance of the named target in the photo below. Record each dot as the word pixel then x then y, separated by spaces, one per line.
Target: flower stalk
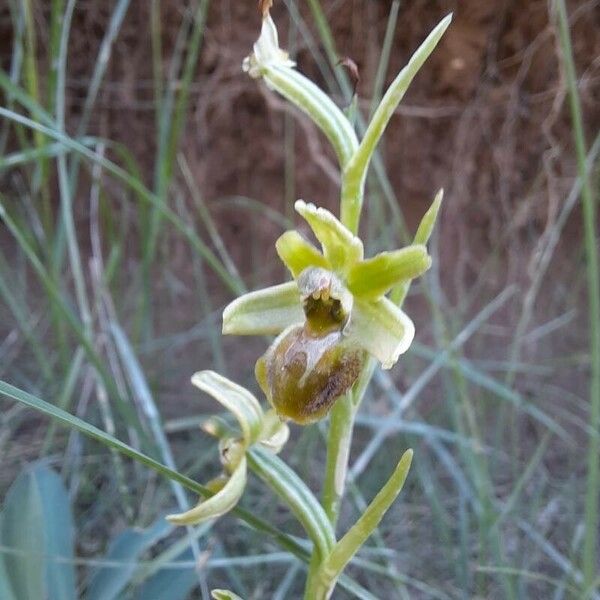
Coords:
pixel 337 318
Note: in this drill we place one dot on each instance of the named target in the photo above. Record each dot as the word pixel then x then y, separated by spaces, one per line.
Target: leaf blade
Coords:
pixel 37 523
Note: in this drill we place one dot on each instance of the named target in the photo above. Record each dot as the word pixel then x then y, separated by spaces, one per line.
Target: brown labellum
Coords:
pixel 303 374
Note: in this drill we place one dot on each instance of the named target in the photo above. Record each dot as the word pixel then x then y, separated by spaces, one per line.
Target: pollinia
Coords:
pixel 337 318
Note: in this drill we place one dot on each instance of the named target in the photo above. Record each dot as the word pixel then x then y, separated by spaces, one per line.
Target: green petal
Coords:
pixel 236 399
pixel 297 253
pixel 264 312
pixel 376 276
pixel 341 248
pixel 381 328
pixel 219 504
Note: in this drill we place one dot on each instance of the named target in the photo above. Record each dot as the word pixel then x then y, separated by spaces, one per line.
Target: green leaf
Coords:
pixel 225 595
pixel 376 276
pixel 108 582
pixel 341 248
pixel 429 219
pixel 236 399
pixel 264 312
pixel 37 525
pixel 347 547
pixel 357 167
pixel 295 493
pixel 298 254
pixel 220 503
pixel 381 328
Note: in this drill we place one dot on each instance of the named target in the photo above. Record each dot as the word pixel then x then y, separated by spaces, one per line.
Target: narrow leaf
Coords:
pixel 295 493
pixel 376 276
pixel 422 236
pixel 264 312
pixel 347 547
pixel 357 167
pixel 234 398
pixel 429 219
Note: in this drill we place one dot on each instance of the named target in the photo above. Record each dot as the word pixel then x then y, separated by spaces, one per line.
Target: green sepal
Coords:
pixel 374 277
pixel 264 312
pixel 297 254
pixel 222 502
pixel 275 432
pixel 236 399
pixel 380 328
pixel 341 248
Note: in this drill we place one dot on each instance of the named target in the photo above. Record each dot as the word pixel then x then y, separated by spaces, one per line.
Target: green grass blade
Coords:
pixel 592 497
pixel 137 186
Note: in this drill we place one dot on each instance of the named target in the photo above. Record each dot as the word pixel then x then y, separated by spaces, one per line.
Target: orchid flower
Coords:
pixel 333 313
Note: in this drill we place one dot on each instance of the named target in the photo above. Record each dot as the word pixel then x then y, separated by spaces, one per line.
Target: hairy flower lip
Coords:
pixel 302 375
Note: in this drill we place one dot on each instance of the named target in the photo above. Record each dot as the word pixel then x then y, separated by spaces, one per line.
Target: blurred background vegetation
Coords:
pixel 143 182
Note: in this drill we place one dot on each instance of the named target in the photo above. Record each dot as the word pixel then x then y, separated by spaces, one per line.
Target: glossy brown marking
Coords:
pixel 303 374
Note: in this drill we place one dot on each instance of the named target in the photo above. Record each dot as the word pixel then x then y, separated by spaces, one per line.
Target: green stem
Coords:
pixel 342 416
pixel 338 448
pixel 590 545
